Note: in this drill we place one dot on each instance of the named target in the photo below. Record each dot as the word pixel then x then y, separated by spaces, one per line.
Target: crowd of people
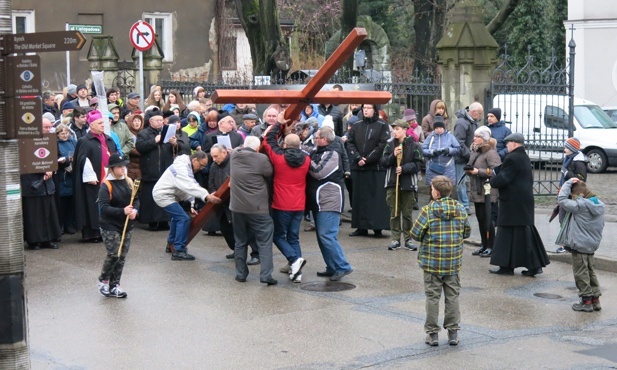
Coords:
pixel 282 172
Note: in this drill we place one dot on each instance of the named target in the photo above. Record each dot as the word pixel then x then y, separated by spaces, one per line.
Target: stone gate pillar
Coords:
pixel 467 57
pixel 102 56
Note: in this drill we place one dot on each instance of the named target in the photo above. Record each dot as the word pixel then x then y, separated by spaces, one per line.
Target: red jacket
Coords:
pixel 291 167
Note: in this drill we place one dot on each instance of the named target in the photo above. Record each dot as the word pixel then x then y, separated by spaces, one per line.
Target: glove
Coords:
pixel 445 151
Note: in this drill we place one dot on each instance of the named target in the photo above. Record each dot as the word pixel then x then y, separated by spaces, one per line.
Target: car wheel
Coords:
pixel 597 161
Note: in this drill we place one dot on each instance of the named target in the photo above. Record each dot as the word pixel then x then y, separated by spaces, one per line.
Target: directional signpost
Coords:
pixel 142 37
pixel 43 41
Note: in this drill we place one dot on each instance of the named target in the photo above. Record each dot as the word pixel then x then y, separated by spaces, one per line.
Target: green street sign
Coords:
pixel 86 28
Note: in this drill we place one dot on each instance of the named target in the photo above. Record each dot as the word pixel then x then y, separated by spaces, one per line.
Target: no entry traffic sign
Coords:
pixel 142 35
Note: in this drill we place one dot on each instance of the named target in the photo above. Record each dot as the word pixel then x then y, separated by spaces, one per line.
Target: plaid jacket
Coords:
pixel 440 228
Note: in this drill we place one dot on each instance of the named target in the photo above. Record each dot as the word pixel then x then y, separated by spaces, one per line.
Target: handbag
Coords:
pixel 438 168
pixel 562 236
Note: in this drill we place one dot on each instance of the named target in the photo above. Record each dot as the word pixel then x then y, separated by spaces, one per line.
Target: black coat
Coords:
pixel 218 175
pixel 367 138
pixel 410 163
pixel 86 210
pixel 235 138
pixel 155 157
pixel 514 180
pixel 112 207
pixel 33 185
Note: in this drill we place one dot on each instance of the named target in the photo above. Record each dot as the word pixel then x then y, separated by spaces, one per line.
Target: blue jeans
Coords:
pixel 179 225
pixel 326 228
pixel 461 190
pixel 286 233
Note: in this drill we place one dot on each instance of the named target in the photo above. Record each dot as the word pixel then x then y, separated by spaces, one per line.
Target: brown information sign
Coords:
pixel 23 75
pixel 25 115
pixel 43 41
pixel 39 154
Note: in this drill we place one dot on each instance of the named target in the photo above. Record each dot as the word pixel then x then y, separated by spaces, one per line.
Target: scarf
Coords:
pixel 104 154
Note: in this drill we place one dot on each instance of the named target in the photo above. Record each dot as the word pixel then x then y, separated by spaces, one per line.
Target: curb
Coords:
pixel 601 262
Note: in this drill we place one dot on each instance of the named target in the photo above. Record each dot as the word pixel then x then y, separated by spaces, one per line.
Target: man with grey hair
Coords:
pixel 466 124
pixel 249 202
pixel 325 199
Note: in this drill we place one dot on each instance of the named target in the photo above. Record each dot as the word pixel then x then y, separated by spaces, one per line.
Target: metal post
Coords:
pixel 14 352
pixel 68 62
pixel 572 47
pixel 141 80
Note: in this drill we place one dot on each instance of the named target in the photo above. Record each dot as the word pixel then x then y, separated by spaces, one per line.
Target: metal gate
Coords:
pixel 125 77
pixel 537 102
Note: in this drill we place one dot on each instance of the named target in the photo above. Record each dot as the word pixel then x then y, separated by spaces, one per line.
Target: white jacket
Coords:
pixel 178 183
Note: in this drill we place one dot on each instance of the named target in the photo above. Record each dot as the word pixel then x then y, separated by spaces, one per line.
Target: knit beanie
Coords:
pixel 496 112
pixel 573 144
pixel 438 122
pixel 483 132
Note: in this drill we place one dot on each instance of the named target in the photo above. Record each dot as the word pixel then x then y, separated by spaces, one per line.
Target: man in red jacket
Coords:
pixel 291 166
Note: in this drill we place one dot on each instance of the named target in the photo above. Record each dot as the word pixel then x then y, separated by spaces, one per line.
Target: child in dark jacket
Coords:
pixel 114 208
pixel 582 239
pixel 406 172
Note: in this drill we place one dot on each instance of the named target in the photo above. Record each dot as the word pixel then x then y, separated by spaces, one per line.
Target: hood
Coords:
pixel 490 144
pixel 595 207
pixel 446 209
pixel 434 104
pixel 580 156
pixel 497 124
pixel 195 114
pixel 294 157
pixel 314 114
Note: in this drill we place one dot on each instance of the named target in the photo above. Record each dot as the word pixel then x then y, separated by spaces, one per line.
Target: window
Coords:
pixel 228 55
pixel 162 24
pixel 555 117
pixel 23 21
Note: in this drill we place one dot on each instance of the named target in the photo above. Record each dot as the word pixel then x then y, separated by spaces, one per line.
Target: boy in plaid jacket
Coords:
pixel 440 228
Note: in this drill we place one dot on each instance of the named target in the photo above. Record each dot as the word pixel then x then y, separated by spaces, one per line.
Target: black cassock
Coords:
pixel 86 208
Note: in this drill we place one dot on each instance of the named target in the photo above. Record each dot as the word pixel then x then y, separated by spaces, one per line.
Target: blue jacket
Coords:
pixel 499 131
pixel 434 142
pixel 65 179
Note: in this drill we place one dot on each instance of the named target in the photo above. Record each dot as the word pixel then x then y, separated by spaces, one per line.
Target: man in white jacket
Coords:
pixel 175 185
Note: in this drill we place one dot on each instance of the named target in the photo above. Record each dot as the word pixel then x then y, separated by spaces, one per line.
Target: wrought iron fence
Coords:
pixel 409 89
pixel 535 101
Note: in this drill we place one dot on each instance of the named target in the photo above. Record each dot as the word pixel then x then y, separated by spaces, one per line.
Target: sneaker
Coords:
pixel 478 251
pixel 560 250
pixel 169 247
pixel 394 245
pixel 104 288
pixel 296 267
pixel 453 337
pixel 117 292
pixel 339 275
pixel 298 279
pixel 285 269
pixel 584 305
pixel 432 339
pixel 595 303
pixel 409 245
pixel 181 256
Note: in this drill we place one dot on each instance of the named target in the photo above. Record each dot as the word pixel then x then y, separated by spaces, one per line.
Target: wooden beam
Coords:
pixel 292 97
pixel 208 211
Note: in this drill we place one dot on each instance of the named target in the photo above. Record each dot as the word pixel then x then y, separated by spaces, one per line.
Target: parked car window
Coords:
pixel 555 117
pixel 592 116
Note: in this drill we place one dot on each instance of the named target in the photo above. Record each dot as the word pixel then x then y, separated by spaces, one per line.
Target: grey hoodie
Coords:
pixel 587 221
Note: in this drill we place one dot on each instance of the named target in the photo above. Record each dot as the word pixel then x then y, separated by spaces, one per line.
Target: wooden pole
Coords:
pixel 126 222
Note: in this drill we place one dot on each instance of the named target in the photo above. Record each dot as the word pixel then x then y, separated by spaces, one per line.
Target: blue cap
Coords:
pixel 67 105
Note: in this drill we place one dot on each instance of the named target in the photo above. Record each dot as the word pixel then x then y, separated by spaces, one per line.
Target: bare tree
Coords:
pixel 269 50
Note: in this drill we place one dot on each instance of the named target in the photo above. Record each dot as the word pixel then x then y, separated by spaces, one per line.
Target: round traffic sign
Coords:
pixel 142 35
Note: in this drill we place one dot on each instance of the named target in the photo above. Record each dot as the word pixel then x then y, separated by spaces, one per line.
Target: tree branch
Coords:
pixel 496 23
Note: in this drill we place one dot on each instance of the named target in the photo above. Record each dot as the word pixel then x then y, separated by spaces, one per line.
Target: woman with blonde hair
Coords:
pixel 156 99
pixel 136 124
pixel 438 107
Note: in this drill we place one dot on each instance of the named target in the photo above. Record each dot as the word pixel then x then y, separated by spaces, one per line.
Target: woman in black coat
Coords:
pixel 517 243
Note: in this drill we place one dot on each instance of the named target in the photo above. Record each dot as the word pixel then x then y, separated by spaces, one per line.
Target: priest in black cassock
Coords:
pixel 91 157
pixel 365 144
pixel 40 217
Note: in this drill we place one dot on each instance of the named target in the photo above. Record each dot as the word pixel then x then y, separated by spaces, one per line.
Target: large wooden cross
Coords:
pixel 299 100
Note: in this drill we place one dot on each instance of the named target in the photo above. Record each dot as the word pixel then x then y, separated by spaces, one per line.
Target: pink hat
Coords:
pixel 93 115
